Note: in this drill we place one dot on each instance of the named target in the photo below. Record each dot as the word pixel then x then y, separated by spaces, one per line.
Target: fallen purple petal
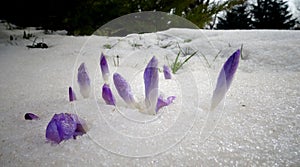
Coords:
pixel 151 85
pixel 84 81
pixel 225 78
pixel 124 89
pixel 167 72
pixel 65 126
pixel 164 102
pixel 72 96
pixel 104 68
pixel 107 95
pixel 30 116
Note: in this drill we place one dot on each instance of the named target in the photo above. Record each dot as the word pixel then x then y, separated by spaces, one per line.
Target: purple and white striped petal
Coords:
pixel 107 95
pixel 225 78
pixel 65 126
pixel 84 81
pixel 104 68
pixel 72 96
pixel 167 72
pixel 151 85
pixel 161 102
pixel 124 89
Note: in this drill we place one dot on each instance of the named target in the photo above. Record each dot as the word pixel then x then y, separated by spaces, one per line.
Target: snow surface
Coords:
pixel 257 125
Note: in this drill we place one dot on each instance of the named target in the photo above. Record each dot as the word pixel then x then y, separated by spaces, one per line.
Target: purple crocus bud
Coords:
pixel 104 68
pixel 72 96
pixel 167 72
pixel 164 102
pixel 225 78
pixel 83 81
pixel 65 126
pixel 124 89
pixel 107 95
pixel 30 116
pixel 151 85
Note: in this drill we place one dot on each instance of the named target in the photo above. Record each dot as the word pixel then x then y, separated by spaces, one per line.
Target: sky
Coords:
pixel 294 4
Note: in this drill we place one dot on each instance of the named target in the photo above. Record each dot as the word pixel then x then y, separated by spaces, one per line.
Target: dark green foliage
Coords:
pixel 92 14
pixel 237 18
pixel 265 14
pixel 202 11
pixel 84 17
pixel 143 23
pixel 272 14
pixel 35 13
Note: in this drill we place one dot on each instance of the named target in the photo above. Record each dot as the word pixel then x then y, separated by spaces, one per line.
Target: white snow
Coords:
pixel 257 125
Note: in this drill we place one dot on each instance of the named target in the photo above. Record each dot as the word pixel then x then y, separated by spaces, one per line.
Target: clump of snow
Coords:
pixel 258 125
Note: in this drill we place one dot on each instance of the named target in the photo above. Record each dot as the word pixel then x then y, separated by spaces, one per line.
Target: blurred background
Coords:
pixel 83 17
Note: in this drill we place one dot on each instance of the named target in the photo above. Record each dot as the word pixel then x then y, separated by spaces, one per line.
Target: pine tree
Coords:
pixel 272 14
pixel 238 18
pixel 202 12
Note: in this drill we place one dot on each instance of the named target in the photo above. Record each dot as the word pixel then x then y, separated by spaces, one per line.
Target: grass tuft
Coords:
pixel 177 64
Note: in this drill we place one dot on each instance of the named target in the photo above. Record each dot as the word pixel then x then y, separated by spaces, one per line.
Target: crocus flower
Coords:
pixel 107 95
pixel 72 96
pixel 151 85
pixel 84 81
pixel 164 102
pixel 104 68
pixel 124 89
pixel 167 72
pixel 65 126
pixel 30 116
pixel 225 78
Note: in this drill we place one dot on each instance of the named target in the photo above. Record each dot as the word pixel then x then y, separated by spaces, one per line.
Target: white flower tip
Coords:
pixel 83 80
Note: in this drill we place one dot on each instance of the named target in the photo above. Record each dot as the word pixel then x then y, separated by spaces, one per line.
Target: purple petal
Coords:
pixel 151 85
pixel 167 72
pixel 123 89
pixel 64 126
pixel 225 78
pixel 162 102
pixel 61 127
pixel 104 68
pixel 84 81
pixel 230 67
pixel 107 95
pixel 72 96
pixel 30 116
